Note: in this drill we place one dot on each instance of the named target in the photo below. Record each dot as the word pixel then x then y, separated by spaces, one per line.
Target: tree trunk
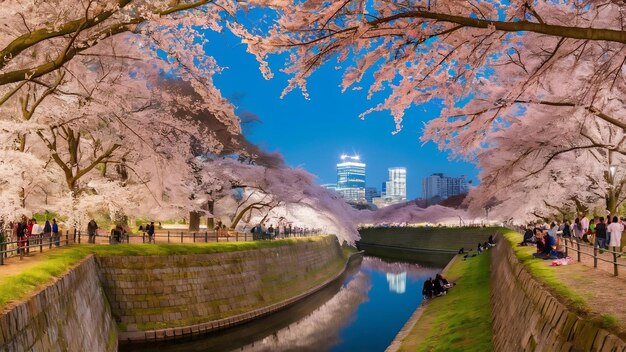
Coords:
pixel 210 220
pixel 194 221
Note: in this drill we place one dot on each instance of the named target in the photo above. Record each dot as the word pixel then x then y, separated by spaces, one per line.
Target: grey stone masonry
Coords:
pixel 152 292
pixel 55 318
pixel 526 317
pixel 165 297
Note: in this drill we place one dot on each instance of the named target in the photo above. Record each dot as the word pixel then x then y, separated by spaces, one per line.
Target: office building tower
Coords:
pixel 439 187
pixel 370 194
pixel 351 179
pixel 394 190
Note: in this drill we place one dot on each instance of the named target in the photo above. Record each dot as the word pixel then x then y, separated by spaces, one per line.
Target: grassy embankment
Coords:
pixel 460 320
pixel 571 296
pixel 55 263
pixel 443 238
pixel 546 274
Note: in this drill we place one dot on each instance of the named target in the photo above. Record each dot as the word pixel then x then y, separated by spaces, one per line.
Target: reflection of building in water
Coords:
pixel 397 282
pixel 319 330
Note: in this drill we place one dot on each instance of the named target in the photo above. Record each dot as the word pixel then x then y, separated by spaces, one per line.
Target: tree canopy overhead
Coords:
pixel 526 73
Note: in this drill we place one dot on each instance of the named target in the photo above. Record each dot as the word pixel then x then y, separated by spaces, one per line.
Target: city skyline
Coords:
pixel 327 123
pixel 394 186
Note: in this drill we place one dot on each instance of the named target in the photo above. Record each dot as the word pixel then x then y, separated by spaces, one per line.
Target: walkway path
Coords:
pixel 603 292
pixel 586 258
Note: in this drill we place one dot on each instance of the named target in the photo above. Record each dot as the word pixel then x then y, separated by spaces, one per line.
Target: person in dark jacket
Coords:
pixel 427 290
pixel 55 232
pixel 92 227
pixel 601 234
pixel 150 231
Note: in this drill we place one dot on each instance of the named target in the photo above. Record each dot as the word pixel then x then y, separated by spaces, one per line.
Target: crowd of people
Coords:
pixel 480 248
pixel 264 232
pixel 597 231
pixel 27 232
pixel 436 287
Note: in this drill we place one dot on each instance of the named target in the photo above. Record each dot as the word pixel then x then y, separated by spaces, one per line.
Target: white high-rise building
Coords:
pixel 396 186
pixel 351 179
pixel 438 186
pixel 394 190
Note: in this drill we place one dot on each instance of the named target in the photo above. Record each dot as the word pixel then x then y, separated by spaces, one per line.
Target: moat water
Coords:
pixel 361 312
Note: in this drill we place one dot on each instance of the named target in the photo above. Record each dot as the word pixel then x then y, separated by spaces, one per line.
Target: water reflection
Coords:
pixel 397 282
pixel 361 312
pixel 319 330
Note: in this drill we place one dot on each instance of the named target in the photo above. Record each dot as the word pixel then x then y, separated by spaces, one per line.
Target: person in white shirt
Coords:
pixel 616 229
pixel 584 222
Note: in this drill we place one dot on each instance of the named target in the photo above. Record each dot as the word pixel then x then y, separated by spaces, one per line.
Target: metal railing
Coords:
pixel 23 246
pixel 583 248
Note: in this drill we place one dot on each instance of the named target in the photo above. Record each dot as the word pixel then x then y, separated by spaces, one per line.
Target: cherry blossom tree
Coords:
pixel 489 64
pixel 419 51
pixel 66 71
pixel 556 168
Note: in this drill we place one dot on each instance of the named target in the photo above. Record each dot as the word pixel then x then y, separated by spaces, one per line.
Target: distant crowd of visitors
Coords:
pixel 480 248
pixel 436 287
pixel 596 231
pixel 28 232
pixel 264 232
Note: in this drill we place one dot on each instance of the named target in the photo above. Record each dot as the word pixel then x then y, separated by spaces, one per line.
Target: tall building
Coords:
pixel 351 179
pixel 438 186
pixel 370 194
pixel 394 190
pixel 396 186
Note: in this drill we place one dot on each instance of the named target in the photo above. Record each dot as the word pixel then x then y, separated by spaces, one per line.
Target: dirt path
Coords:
pixel 14 265
pixel 603 291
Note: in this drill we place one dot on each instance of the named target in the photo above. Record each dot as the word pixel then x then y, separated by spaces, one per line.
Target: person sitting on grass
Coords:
pixel 442 285
pixel 427 290
pixel 540 240
pixel 437 287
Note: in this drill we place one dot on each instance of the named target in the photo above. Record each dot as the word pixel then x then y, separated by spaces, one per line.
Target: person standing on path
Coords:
pixel 584 222
pixel 601 233
pixel 55 232
pixel 150 231
pixel 92 227
pixel 616 229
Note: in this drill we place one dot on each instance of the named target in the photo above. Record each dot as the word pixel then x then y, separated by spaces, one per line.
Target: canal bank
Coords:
pixel 127 294
pixel 458 321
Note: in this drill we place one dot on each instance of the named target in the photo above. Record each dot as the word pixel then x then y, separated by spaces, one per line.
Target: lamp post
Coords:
pixel 612 204
pixel 612 170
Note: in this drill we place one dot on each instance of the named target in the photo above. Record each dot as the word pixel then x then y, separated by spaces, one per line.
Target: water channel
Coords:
pixel 363 311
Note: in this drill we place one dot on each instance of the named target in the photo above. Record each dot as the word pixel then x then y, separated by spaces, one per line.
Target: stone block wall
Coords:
pixel 157 292
pixel 104 300
pixel 72 314
pixel 526 317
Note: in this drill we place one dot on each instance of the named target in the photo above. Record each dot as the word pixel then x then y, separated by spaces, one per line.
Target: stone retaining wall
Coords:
pixel 72 314
pixel 162 297
pixel 526 317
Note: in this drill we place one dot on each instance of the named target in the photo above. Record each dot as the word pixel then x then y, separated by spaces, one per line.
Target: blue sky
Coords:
pixel 313 133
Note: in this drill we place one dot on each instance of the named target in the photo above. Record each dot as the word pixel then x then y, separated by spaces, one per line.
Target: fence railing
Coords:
pixel 22 246
pixel 597 254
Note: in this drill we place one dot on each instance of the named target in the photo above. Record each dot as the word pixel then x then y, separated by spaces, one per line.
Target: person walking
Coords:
pixel 92 227
pixel 616 229
pixel 55 232
pixel 150 231
pixel 578 230
pixel 584 222
pixel 21 232
pixel 601 234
